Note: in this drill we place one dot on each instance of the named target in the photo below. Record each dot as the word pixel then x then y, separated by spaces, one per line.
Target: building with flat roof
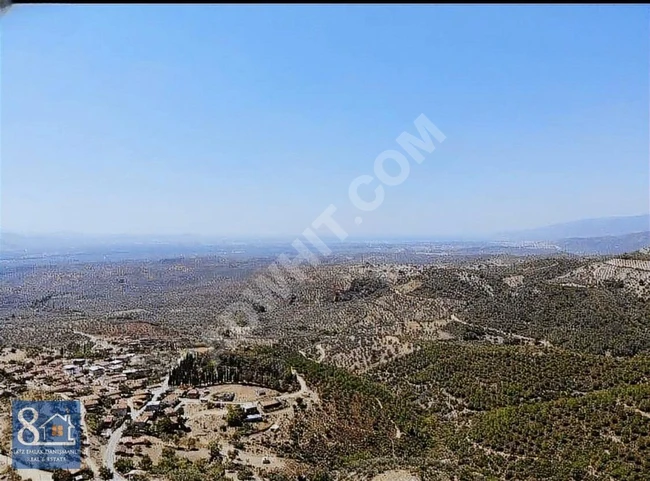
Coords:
pixel 271 405
pixel 253 418
pixel 250 408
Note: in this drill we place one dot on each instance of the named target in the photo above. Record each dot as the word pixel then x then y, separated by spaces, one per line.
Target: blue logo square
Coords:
pixel 46 434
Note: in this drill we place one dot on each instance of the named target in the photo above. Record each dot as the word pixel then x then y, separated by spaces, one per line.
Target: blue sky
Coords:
pixel 253 119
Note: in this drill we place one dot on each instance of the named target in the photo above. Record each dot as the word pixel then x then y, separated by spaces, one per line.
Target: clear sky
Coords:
pixel 253 119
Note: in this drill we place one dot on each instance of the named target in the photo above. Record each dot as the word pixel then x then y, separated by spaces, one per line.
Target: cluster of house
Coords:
pixel 114 368
pixel 10 386
pixel 254 411
pixel 146 344
pixel 114 404
pixel 128 445
pixel 114 388
pixel 104 383
pixel 154 410
pixel 74 377
pixel 45 369
pixel 119 405
pixel 165 407
pixel 111 385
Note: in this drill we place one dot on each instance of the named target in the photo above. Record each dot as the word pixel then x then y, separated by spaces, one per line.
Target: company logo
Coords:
pixel 46 434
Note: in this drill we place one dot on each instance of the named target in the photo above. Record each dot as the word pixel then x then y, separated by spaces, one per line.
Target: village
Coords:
pixel 132 417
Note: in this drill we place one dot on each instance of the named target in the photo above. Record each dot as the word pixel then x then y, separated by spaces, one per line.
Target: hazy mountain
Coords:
pixel 598 227
pixel 607 235
pixel 609 245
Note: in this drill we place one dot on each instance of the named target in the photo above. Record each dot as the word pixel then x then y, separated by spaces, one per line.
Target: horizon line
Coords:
pixel 476 236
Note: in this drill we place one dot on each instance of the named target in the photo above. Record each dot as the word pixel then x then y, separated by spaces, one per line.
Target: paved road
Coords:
pixel 116 436
pixel 113 442
pixel 109 455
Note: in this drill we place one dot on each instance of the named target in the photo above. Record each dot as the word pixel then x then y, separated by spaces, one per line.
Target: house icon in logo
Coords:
pixel 57 431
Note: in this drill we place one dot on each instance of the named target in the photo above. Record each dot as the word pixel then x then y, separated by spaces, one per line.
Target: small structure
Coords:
pixel 226 397
pixel 139 441
pixel 108 421
pixel 135 383
pixel 114 395
pixel 115 365
pixel 153 406
pixel 120 409
pixel 271 405
pixel 124 451
pixel 135 474
pixel 70 369
pixel 91 405
pixel 171 400
pixel 143 420
pixel 250 408
pixel 253 418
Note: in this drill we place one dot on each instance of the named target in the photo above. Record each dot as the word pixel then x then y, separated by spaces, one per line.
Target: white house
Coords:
pixel 71 369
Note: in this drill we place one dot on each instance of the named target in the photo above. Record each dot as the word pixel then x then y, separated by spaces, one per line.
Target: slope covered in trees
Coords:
pixel 603 435
pixel 259 367
pixel 479 411
pixel 446 376
pixel 598 319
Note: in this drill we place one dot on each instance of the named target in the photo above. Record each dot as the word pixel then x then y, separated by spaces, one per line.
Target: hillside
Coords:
pixel 474 367
pixel 489 365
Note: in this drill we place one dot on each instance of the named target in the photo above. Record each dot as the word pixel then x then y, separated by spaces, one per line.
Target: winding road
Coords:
pixel 104 344
pixel 304 389
pixel 114 440
pixel 116 436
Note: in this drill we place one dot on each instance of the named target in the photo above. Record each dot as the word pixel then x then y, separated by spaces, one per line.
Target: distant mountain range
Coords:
pixel 606 235
pixel 608 245
pixel 599 227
